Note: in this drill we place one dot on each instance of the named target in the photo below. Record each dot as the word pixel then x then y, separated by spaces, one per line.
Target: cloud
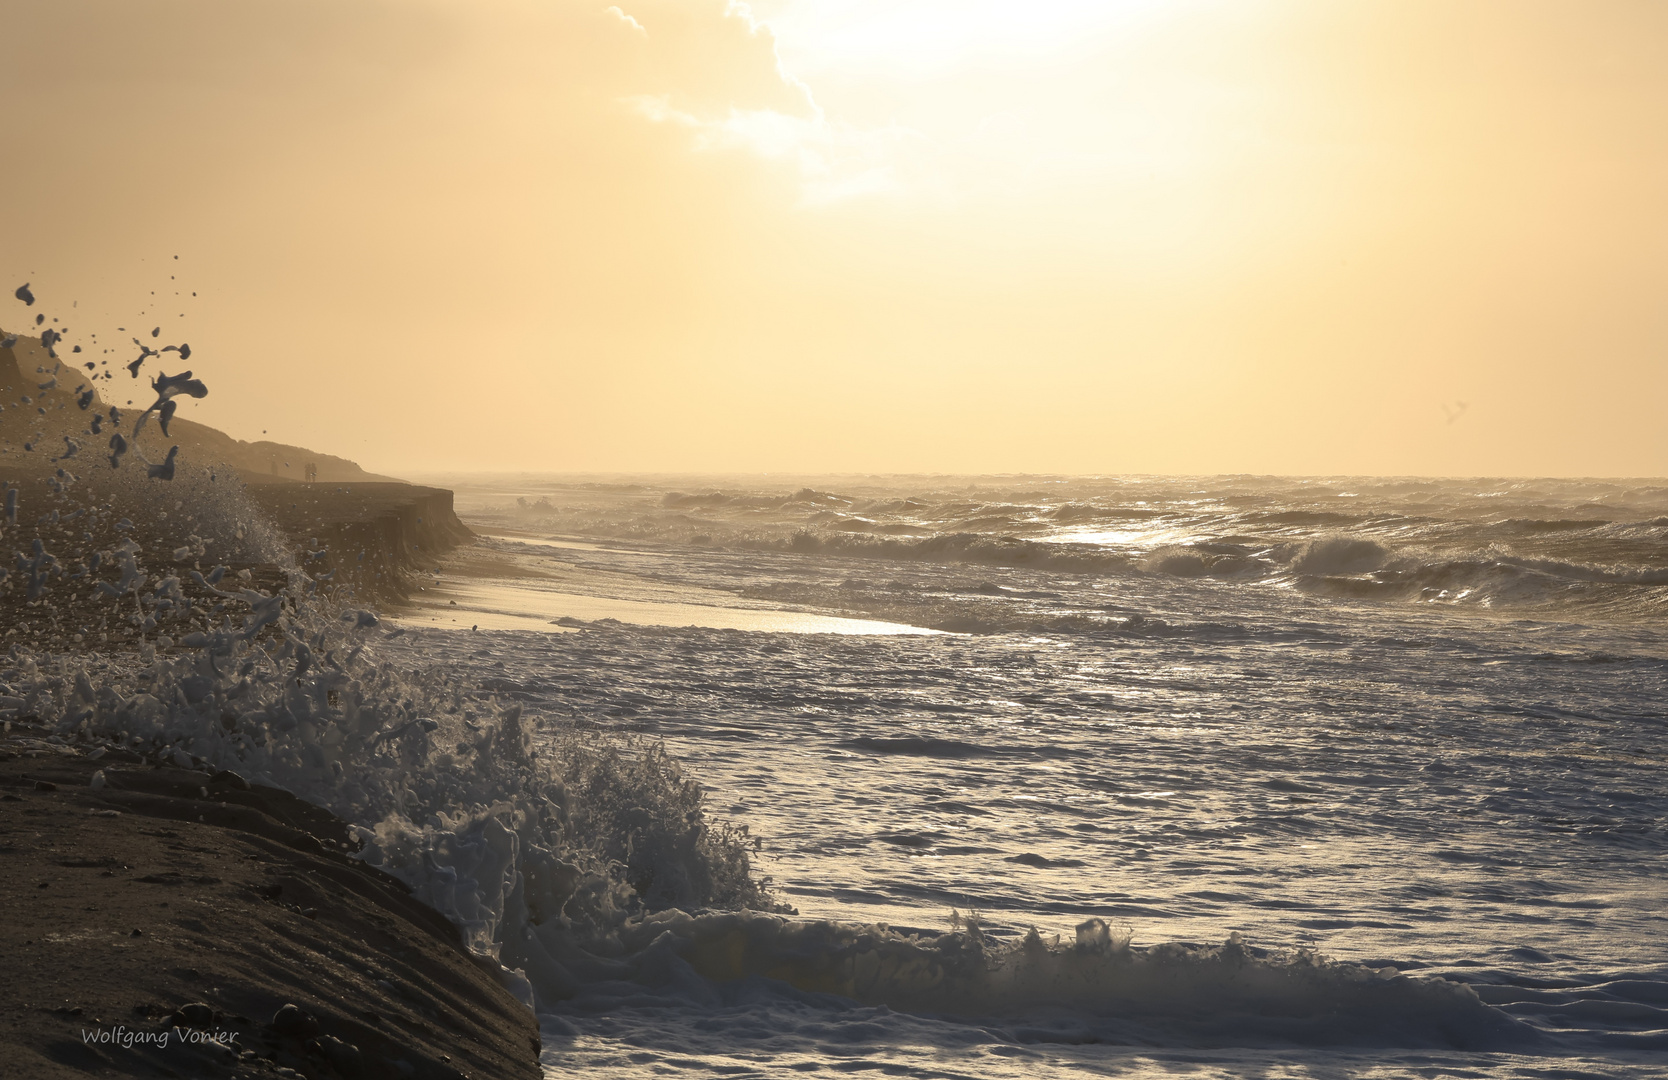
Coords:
pixel 706 57
pixel 711 71
pixel 627 19
pixel 831 162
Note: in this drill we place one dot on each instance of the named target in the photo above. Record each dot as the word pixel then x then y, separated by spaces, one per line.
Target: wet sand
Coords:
pixel 514 582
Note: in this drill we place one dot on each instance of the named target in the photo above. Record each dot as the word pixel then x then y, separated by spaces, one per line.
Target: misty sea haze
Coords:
pixel 1229 775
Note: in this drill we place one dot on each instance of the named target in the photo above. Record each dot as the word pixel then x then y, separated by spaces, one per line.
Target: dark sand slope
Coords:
pixel 168 888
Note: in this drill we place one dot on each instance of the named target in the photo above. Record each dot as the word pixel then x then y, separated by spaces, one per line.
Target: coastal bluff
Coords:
pixel 41 404
pixel 360 533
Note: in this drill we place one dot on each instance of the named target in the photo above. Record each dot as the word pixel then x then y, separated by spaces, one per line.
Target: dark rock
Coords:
pixel 195 1014
pixel 227 779
pixel 291 1022
pixel 344 1057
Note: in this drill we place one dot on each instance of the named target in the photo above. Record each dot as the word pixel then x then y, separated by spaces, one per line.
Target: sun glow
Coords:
pixel 846 234
pixel 924 38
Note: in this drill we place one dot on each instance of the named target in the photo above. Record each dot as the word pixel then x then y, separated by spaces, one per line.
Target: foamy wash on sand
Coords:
pixel 1124 759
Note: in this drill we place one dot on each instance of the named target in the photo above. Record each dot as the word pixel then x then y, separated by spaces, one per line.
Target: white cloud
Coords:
pixel 627 19
pixel 833 162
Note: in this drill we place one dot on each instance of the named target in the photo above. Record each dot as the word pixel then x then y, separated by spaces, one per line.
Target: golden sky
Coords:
pixel 867 235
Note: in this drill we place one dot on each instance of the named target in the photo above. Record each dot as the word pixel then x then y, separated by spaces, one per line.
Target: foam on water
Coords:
pixel 1399 783
pixel 1094 983
pixel 572 863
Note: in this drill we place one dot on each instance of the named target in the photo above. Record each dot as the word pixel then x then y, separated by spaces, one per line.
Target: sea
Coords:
pixel 978 776
pixel 1147 776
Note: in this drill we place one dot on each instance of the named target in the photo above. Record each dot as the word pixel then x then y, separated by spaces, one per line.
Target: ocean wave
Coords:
pixel 920 747
pixel 1342 564
pixel 926 746
pixel 1204 560
pixel 1330 555
pixel 577 864
pixel 1543 525
pixel 677 500
pixel 1390 540
pixel 445 789
pixel 1326 519
pixel 1075 512
pixel 1094 988
pixel 1501 581
pixel 960 547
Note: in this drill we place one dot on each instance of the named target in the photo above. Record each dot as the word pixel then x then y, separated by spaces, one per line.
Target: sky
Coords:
pixel 1121 236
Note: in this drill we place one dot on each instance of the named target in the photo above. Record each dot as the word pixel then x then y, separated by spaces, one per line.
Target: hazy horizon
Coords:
pixel 850 237
pixel 792 475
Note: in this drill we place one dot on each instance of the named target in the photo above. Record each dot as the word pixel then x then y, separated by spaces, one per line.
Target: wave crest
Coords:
pixel 1191 993
pixel 1329 555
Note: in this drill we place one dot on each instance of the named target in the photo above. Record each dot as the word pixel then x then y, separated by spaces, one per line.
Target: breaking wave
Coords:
pixel 1339 555
pixel 975 548
pixel 1096 988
